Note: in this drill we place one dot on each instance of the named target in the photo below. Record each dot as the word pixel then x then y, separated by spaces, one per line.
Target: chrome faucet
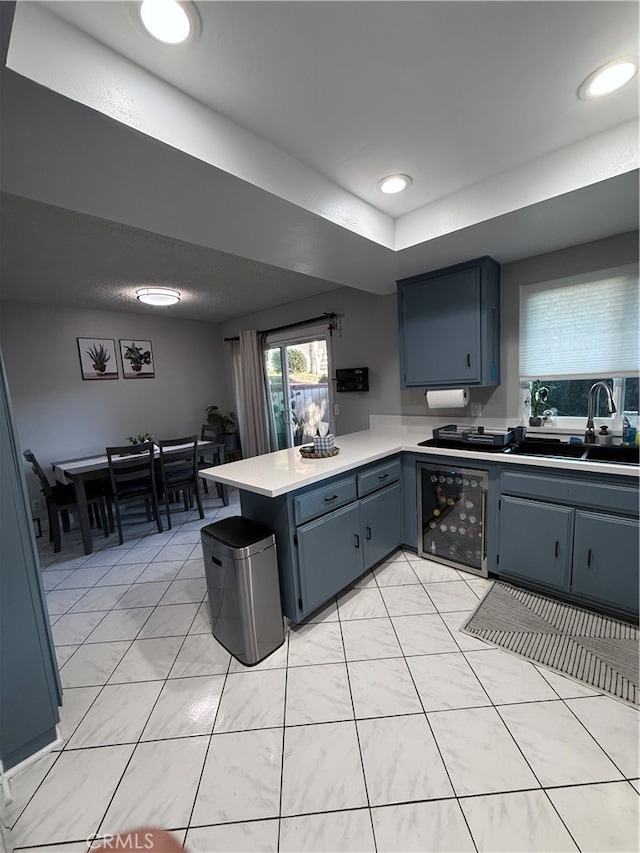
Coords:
pixel 590 436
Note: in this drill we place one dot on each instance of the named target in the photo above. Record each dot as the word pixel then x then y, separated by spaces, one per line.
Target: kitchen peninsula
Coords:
pixel 335 518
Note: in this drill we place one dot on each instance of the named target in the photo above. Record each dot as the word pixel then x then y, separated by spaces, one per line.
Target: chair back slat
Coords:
pixel 131 465
pixel 178 457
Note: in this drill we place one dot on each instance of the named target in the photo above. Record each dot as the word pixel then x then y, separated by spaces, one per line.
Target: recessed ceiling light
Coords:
pixel 607 79
pixel 158 296
pixel 394 184
pixel 167 20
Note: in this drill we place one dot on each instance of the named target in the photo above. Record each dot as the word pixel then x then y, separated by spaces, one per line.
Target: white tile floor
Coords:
pixel 377 726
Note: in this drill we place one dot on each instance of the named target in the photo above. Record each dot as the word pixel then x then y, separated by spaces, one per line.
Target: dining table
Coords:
pixel 79 471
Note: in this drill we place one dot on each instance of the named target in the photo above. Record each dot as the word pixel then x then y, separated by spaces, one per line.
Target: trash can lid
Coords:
pixel 237 531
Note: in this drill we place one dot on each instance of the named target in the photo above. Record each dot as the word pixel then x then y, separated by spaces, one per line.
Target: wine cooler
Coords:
pixel 451 516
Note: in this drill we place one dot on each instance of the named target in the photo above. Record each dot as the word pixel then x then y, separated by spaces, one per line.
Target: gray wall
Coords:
pixel 368 336
pixel 60 416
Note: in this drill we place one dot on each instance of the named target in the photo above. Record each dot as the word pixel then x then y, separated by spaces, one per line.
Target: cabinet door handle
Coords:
pixel 357 540
pixel 382 476
pixel 468 359
pixel 332 498
pixel 368 533
pixel 589 557
pixel 557 549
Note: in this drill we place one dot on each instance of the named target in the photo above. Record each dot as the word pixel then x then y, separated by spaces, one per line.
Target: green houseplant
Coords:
pixel 224 424
pixel 140 439
pixel 99 356
pixel 538 399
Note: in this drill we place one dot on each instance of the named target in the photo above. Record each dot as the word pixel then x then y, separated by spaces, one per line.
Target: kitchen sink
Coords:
pixel 564 450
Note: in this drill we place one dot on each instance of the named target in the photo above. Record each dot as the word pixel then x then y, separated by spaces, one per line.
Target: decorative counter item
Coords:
pixel 539 396
pixel 324 443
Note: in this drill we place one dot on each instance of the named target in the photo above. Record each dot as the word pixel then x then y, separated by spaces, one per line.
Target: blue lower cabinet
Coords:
pixel 381 523
pixel 535 542
pixel 605 560
pixel 329 555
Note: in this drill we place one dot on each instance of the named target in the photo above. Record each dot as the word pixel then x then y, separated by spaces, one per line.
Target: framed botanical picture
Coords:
pixel 137 359
pixel 98 358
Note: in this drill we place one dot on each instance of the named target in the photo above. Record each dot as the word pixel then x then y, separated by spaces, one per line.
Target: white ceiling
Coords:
pixel 291 112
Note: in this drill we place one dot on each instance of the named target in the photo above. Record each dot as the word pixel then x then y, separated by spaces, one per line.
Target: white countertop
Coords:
pixel 285 471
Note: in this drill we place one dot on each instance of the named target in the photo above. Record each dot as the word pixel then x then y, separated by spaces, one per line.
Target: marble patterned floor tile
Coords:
pixel 51 578
pixel 615 727
pixel 310 782
pixel 523 821
pixel 401 760
pixel 99 598
pixel 601 818
pixel 565 687
pixel 102 558
pixel 446 681
pixel 202 622
pixel 428 572
pixel 406 600
pixel 201 654
pixel 318 694
pixel 480 586
pixel 191 569
pixel 74 628
pixel 160 571
pixel 142 553
pixel 172 620
pixel 276 660
pixel 122 574
pixel 636 784
pixel 71 801
pixel 454 622
pixel 63 653
pixel 326 613
pixel 143 595
pixel 178 553
pixel 92 665
pixel 186 706
pixel 24 783
pixel 159 785
pixel 368 639
pixel 118 715
pixel 436 826
pixel 452 595
pixel 83 578
pixel 185 537
pixel 60 601
pixel 361 604
pixel 423 635
pixel 241 778
pixel 259 836
pixel 146 660
pixel 556 745
pixel 479 753
pixel 346 831
pixel 395 573
pixel 508 678
pixel 252 700
pixel 316 643
pixel 76 701
pixel 381 688
pixel 185 592
pixel 120 625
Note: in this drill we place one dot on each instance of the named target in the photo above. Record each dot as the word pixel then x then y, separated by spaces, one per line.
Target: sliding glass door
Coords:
pixel 298 383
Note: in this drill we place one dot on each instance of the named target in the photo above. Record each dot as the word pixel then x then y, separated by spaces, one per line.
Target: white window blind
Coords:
pixel 580 327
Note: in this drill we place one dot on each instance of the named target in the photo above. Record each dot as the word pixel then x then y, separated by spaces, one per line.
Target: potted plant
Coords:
pixel 225 424
pixel 137 356
pixel 140 439
pixel 538 399
pixel 99 356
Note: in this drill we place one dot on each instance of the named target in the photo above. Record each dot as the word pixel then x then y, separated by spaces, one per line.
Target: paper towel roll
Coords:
pixel 452 398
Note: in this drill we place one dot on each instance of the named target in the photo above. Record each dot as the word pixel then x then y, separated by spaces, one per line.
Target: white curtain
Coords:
pixel 250 394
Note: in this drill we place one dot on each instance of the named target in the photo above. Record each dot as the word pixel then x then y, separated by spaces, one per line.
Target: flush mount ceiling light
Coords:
pixel 158 296
pixel 169 21
pixel 609 78
pixel 394 184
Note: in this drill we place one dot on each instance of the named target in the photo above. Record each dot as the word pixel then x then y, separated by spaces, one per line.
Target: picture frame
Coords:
pixel 137 359
pixel 98 358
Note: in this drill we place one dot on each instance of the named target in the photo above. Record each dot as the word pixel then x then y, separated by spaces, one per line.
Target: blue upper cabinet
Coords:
pixel 449 323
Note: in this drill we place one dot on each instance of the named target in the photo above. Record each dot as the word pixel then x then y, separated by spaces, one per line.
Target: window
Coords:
pixel 576 331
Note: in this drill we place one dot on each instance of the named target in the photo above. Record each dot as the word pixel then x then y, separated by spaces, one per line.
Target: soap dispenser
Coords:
pixel 604 436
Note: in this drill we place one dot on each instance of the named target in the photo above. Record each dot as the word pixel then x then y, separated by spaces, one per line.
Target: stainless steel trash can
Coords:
pixel 243 587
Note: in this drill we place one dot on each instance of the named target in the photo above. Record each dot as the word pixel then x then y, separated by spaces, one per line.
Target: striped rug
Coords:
pixel 599 651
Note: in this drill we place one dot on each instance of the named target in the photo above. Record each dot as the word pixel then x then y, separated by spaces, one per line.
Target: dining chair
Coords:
pixel 208 433
pixel 61 500
pixel 132 475
pixel 179 471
